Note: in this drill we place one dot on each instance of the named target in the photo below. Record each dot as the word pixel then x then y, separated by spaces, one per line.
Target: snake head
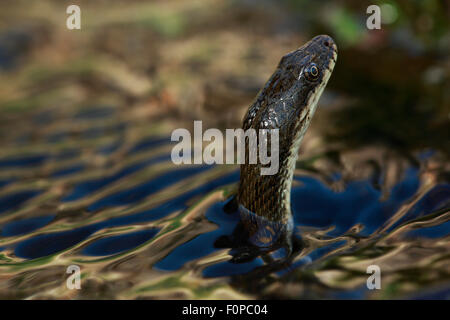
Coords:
pixel 294 88
pixel 306 68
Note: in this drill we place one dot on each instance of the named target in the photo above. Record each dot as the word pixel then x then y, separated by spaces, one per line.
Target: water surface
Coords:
pixel 139 226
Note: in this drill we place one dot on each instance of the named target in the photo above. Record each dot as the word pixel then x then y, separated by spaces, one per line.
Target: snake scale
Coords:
pixel 287 102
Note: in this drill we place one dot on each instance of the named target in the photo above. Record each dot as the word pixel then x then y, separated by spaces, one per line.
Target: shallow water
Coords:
pixel 140 227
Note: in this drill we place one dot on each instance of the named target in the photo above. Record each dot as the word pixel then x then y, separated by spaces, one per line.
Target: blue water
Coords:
pixel 64 203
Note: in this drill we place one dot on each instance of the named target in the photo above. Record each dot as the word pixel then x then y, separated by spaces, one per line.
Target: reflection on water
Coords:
pixel 139 226
pixel 86 176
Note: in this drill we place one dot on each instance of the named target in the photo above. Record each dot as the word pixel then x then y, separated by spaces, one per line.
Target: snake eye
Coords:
pixel 312 72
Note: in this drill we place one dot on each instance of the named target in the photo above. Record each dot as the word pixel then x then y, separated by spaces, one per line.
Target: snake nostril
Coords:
pixel 326 43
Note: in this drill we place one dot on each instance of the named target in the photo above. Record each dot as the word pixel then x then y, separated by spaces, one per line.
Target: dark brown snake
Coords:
pixel 287 102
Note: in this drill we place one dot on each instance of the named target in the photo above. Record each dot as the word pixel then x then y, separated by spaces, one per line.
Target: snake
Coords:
pixel 287 102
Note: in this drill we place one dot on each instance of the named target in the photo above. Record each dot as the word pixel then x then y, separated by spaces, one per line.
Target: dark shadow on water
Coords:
pixel 15 200
pixel 143 190
pixel 116 244
pixel 149 143
pixel 86 188
pixel 23 161
pixel 47 244
pixel 314 205
pixel 25 226
pixel 68 171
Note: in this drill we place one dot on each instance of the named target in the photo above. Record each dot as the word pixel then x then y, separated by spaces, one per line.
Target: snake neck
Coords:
pixel 287 102
pixel 269 196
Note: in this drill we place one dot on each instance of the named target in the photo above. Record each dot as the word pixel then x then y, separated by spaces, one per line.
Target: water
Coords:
pixel 140 227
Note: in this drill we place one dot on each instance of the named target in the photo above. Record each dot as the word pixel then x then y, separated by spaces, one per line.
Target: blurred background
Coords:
pixel 85 171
